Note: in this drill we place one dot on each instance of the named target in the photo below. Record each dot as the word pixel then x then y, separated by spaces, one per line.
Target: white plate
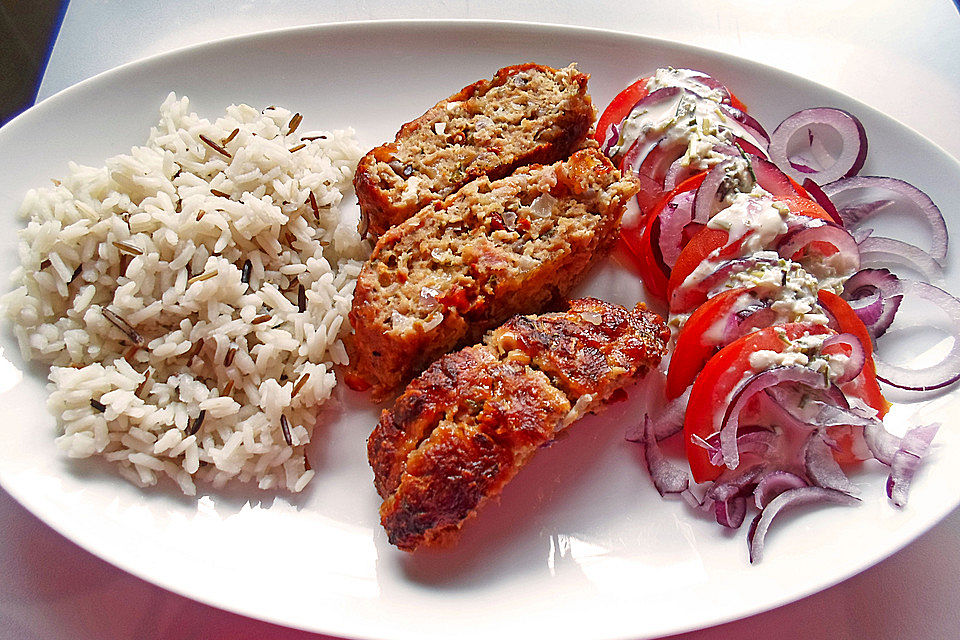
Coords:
pixel 580 545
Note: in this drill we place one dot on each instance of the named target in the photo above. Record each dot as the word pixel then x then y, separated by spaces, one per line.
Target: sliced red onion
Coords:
pixel 670 420
pixel 857 356
pixel 822 468
pixel 613 136
pixel 882 444
pixel 775 483
pixel 791 498
pixel 677 173
pixel 879 252
pixel 748 122
pixel 756 316
pixel 906 461
pixel 748 148
pixel 658 162
pixel 945 372
pixel 730 513
pixel 770 178
pixel 723 271
pixel 711 83
pixel 739 482
pixel 823 200
pixel 853 214
pixel 708 198
pixel 642 145
pixel 795 240
pixel 674 217
pixel 853 151
pixel 667 477
pixel 746 390
pixel 874 295
pixel 856 190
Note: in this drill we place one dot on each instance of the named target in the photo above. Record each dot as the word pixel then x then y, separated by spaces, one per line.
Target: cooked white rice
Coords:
pixel 132 286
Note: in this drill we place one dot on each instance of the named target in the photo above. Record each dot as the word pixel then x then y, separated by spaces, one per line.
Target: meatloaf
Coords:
pixel 465 427
pixel 494 249
pixel 526 114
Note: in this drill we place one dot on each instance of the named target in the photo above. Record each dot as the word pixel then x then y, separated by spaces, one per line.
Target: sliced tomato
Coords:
pixel 735 102
pixel 706 244
pixel 620 107
pixel 697 342
pixel 714 386
pixel 640 240
pixel 713 243
pixel 865 386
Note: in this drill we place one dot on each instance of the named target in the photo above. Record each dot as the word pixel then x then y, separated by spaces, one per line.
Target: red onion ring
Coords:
pixel 730 513
pixel 795 240
pixel 674 217
pixel 857 356
pixel 823 469
pixel 748 123
pixel 945 372
pixel 879 252
pixel 852 135
pixel 822 199
pixel 906 461
pixel 788 499
pixel 749 388
pixel 770 178
pixel 666 476
pixel 874 295
pixel 850 192
pixel 707 201
pixel 775 483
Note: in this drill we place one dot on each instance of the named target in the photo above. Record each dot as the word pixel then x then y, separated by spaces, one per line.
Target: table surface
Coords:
pixel 51 589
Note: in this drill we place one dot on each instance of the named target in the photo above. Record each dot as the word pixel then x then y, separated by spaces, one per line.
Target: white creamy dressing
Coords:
pixel 804 352
pixel 754 215
pixel 693 119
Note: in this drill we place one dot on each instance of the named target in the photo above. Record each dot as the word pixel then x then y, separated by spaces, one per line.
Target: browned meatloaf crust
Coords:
pixel 465 427
pixel 526 114
pixel 488 252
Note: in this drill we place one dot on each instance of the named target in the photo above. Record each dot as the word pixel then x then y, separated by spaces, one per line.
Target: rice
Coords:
pixel 189 296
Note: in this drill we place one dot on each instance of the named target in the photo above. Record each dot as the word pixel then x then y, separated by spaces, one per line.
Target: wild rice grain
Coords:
pixel 213 145
pixel 294 123
pixel 196 423
pixel 285 427
pixel 302 380
pixel 123 325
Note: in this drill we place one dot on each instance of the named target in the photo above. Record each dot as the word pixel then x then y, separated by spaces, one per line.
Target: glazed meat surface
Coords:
pixel 467 425
pixel 526 114
pixel 492 250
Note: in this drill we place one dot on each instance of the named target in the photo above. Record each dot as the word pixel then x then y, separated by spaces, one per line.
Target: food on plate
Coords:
pixel 188 296
pixel 467 425
pixel 775 298
pixel 463 265
pixel 526 114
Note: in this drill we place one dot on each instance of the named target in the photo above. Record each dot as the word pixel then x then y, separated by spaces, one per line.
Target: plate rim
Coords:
pixel 512 27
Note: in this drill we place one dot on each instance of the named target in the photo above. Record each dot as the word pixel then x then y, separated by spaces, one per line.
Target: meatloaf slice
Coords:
pixel 467 425
pixel 526 114
pixel 492 250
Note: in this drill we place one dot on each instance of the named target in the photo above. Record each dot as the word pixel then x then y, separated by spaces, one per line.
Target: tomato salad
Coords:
pixel 776 296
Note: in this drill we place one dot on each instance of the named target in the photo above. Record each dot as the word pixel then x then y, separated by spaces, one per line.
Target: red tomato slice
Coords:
pixel 620 107
pixel 865 386
pixel 639 240
pixel 695 346
pixel 708 240
pixel 713 387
